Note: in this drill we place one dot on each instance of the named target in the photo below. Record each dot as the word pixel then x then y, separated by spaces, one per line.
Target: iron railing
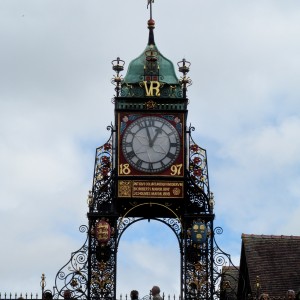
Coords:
pixel 36 296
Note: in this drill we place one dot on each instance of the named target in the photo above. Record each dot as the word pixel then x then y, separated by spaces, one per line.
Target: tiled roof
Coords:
pixel 275 259
pixel 229 282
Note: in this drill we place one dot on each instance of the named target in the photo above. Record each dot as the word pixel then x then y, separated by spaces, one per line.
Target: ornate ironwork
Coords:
pixel 118 66
pixel 203 261
pixel 197 263
pixel 198 169
pixel 184 68
pixel 173 223
pixel 102 241
pixel 223 266
pixel 73 276
pixel 100 198
pixel 102 268
pixel 91 271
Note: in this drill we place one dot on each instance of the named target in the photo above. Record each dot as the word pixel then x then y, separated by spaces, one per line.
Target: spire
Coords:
pixel 150 67
pixel 151 24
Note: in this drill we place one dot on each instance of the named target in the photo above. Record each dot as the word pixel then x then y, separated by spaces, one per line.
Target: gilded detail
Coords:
pixel 124 188
pixel 150 104
pixel 152 89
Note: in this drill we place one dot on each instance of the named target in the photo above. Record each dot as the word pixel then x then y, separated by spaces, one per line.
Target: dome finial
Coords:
pixel 151 26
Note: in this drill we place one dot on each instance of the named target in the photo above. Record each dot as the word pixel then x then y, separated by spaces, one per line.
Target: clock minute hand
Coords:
pixel 148 135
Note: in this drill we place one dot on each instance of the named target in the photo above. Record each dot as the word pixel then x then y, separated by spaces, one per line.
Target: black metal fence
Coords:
pixel 31 296
pixel 148 297
pixel 11 296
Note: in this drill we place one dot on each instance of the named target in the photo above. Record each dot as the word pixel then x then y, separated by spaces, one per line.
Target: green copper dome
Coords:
pixel 151 74
pixel 136 68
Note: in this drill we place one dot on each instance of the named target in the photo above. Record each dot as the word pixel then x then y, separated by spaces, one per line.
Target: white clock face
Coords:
pixel 151 144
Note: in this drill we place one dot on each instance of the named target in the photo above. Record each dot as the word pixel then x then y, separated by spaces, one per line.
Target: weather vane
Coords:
pixel 150 3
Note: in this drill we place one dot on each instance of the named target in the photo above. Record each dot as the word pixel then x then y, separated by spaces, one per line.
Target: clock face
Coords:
pixel 151 144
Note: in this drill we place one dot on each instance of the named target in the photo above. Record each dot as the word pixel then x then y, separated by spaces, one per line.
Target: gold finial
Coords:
pixel 257 282
pixel 90 199
pixel 43 282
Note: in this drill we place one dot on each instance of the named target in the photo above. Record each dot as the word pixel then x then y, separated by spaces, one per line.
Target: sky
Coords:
pixel 55 105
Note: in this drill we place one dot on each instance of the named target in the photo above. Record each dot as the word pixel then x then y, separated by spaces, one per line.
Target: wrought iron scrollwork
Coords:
pixel 102 242
pixel 200 198
pixel 225 278
pixel 90 273
pixel 72 278
pixel 101 195
pixel 198 201
pixel 173 223
pixel 198 253
pixel 102 268
pixel 198 169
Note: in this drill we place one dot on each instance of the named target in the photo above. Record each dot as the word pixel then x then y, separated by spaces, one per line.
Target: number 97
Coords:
pixel 176 170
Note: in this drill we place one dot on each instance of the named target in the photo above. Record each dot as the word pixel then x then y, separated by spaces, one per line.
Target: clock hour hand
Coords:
pixel 158 131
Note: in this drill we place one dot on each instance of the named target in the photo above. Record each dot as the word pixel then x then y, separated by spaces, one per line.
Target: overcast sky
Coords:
pixel 55 104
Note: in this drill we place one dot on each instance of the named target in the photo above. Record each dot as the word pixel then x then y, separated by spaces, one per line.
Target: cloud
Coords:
pixel 262 165
pixel 274 146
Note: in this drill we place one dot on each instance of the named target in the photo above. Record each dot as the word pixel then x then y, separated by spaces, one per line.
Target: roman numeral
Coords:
pixel 141 124
pixel 130 154
pixel 139 163
pixel 126 144
pixel 170 155
pixel 150 122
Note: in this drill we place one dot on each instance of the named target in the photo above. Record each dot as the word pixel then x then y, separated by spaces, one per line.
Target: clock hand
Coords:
pixel 159 149
pixel 158 130
pixel 148 135
pixel 142 139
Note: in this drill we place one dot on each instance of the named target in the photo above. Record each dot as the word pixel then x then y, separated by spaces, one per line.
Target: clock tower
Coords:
pixel 150 168
pixel 151 140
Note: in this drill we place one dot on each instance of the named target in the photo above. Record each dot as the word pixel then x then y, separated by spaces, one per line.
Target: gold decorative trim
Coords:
pixel 150 104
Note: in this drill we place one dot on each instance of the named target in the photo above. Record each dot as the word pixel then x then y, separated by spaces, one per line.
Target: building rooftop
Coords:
pixel 273 262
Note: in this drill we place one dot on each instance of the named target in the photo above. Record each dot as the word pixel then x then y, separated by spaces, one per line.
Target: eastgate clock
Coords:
pixel 151 144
